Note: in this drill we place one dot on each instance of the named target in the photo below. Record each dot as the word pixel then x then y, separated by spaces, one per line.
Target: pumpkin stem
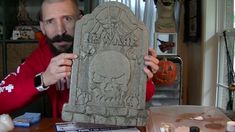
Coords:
pixel 164 59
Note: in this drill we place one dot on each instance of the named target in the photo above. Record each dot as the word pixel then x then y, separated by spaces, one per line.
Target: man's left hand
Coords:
pixel 151 63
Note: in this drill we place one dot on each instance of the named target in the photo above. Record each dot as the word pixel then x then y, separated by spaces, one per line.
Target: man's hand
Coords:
pixel 59 67
pixel 151 63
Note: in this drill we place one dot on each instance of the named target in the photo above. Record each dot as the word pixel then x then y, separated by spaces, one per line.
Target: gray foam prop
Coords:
pixel 108 84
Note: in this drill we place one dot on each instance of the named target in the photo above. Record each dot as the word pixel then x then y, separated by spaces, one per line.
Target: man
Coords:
pixel 49 66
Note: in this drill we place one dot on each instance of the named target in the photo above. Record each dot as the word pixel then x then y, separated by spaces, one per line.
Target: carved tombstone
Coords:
pixel 108 84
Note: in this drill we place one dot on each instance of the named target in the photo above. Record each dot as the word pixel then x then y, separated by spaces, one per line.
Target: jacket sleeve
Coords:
pixel 150 89
pixel 18 89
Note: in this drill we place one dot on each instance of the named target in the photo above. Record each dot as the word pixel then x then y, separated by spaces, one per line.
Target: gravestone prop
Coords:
pixel 108 84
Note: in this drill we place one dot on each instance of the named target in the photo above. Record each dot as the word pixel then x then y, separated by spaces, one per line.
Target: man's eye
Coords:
pixel 49 22
pixel 68 19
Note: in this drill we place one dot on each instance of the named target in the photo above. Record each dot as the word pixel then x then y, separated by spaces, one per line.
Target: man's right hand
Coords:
pixel 59 67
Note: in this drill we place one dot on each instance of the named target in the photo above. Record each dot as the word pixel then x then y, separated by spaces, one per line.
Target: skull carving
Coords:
pixel 109 74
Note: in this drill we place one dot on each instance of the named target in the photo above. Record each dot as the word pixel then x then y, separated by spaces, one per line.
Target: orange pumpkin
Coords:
pixel 38 35
pixel 166 75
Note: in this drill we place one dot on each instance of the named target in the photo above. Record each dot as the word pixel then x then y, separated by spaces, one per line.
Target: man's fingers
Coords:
pixel 66 56
pixel 152 52
pixel 151 58
pixel 152 65
pixel 151 62
pixel 65 62
pixel 64 69
pixel 154 71
pixel 64 59
pixel 59 67
pixel 148 73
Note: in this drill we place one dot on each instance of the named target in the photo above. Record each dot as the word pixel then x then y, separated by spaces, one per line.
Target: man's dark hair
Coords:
pixel 52 1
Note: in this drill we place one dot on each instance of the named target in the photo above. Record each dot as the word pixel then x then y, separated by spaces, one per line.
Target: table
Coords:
pixel 45 125
pixel 48 125
pixel 212 119
pixel 181 117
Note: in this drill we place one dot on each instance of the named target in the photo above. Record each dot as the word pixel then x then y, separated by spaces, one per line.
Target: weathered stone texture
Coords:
pixel 108 84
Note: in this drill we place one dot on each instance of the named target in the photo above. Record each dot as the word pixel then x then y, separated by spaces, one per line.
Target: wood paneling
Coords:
pixel 16 53
pixel 1 62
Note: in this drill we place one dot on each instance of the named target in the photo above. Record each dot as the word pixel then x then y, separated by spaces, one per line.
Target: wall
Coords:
pixel 202 64
pixel 194 55
pixel 1 72
pixel 210 51
pixel 191 54
pixel 200 60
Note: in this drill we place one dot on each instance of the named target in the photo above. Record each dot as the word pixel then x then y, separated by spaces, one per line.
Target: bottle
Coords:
pixel 194 129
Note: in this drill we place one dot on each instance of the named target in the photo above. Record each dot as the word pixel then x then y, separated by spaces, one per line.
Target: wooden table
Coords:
pixel 177 117
pixel 213 119
pixel 47 125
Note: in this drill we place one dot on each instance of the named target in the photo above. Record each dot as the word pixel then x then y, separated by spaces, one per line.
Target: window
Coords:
pixel 226 22
pixel 233 14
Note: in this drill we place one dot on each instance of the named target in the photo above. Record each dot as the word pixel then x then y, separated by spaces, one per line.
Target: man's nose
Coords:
pixel 61 29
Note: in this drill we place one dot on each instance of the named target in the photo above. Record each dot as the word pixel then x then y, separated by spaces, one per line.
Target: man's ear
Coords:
pixel 42 27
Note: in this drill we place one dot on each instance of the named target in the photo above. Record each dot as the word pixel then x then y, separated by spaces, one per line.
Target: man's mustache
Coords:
pixel 60 38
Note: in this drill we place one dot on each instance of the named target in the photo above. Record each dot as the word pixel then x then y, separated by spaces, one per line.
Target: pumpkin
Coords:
pixel 166 75
pixel 38 35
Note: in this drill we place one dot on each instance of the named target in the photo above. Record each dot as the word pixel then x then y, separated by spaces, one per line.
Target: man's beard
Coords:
pixel 59 38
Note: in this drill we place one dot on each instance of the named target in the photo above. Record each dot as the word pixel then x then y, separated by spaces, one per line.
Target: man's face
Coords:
pixel 58 24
